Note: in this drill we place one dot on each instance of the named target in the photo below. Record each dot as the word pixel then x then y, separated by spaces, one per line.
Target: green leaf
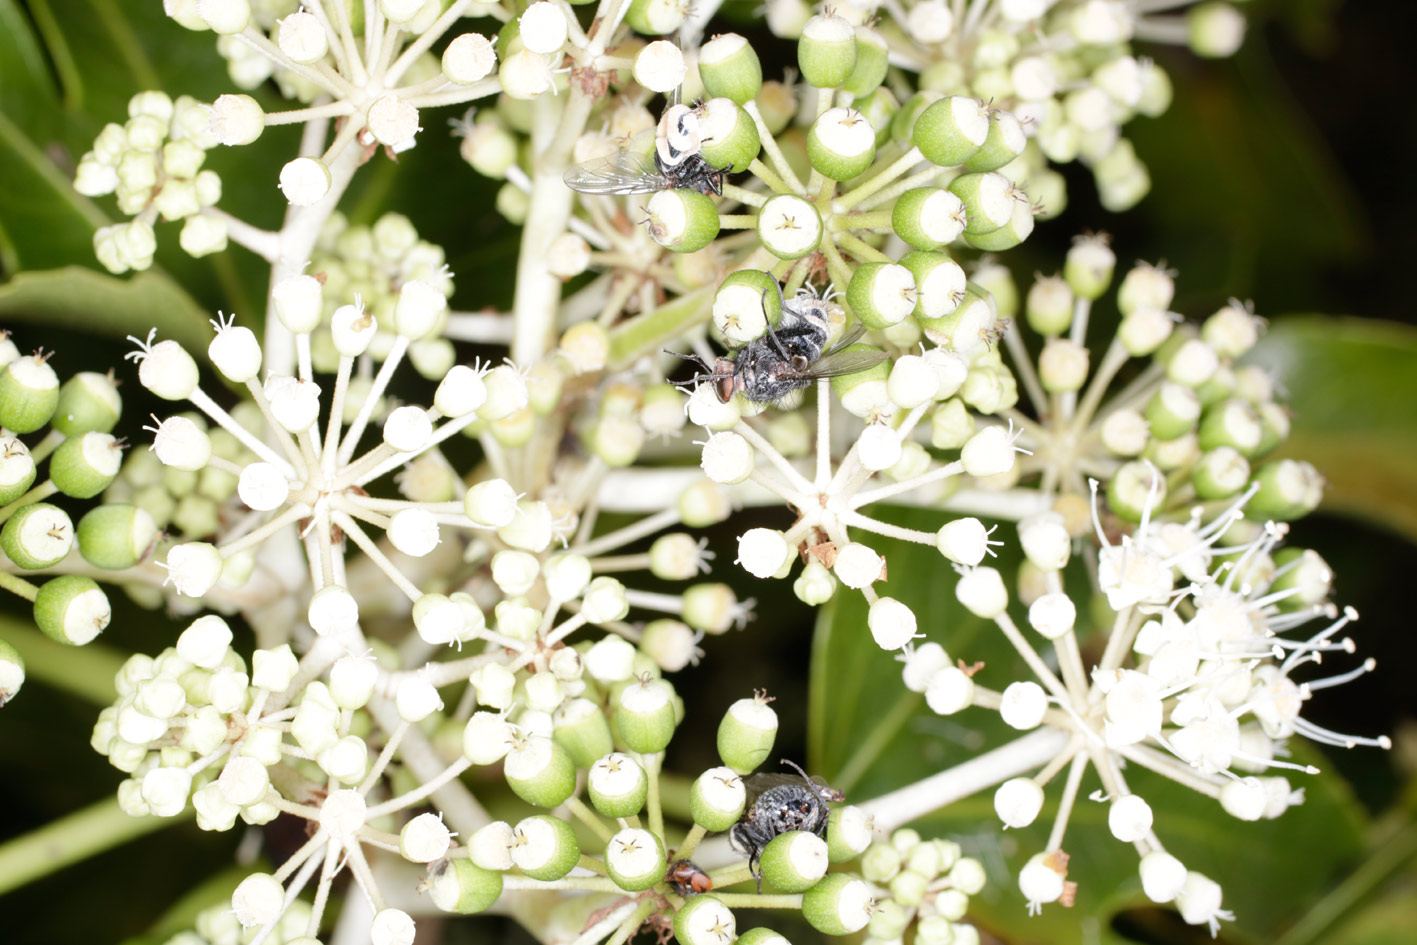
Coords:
pixel 43 220
pixel 27 92
pixel 1351 387
pixel 868 735
pixel 81 299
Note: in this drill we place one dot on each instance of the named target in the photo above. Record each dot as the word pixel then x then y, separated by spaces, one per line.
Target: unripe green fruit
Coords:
pixel 903 123
pixel 928 217
pixel 940 283
pixel 704 920
pixel 794 861
pixel 114 537
pixel 1134 487
pixel 87 402
pixel 841 144
pixel 17 469
pixel 731 139
pixel 1172 411
pixel 838 905
pixel 644 715
pixel 848 833
pixel 682 220
pixel 988 201
pixel 951 131
pixel 460 885
pixel 881 294
pixel 37 536
pixel 872 62
pixel 729 68
pixel 747 733
pixel 1220 474
pixel 762 936
pixel 85 465
pixel 655 17
pixel 745 303
pixel 826 51
pixel 540 772
pixel 717 799
pixel 545 847
pixel 29 392
pixel 617 785
pixel 1004 142
pixel 789 226
pixel 1014 231
pixel 1289 489
pixel 635 859
pixel 71 609
pixel 582 729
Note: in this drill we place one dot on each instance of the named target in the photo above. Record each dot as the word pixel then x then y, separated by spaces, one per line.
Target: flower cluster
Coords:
pixel 927 885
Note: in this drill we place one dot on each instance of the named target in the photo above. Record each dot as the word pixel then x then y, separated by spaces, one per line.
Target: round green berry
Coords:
pixel 71 609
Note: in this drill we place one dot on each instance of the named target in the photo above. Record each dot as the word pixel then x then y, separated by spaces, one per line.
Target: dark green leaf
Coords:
pixel 80 299
pixel 1352 389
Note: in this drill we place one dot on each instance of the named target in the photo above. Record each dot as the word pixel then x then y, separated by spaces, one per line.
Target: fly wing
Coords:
pixel 844 362
pixel 624 172
pixel 759 783
pixel 848 338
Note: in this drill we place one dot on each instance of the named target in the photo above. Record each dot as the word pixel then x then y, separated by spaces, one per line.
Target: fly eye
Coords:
pixel 799 363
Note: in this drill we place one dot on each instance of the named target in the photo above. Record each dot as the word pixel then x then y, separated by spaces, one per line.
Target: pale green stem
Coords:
pixel 72 839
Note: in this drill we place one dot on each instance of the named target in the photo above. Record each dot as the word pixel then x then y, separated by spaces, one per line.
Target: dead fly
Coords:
pixel 778 804
pixel 674 162
pixel 686 879
pixel 787 357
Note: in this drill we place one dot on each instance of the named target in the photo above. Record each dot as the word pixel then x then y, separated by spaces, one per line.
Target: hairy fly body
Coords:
pixel 778 804
pixel 789 357
pixel 674 163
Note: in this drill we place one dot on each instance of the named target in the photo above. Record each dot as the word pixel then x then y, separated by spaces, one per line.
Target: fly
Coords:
pixel 788 357
pixel 674 164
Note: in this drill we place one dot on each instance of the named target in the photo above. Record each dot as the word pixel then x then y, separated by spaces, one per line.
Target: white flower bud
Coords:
pixel 604 601
pixel 347 760
pixel 333 609
pixel 487 737
pixel 258 900
pixel 930 22
pixel 393 926
pixel 470 58
pixel 921 664
pixel 1018 802
pixel 1040 880
pixel 352 681
pixel 913 381
pixel 490 847
pixel 1245 799
pixel 408 429
pixel 892 624
pixel 302 38
pixel 611 660
pixel 262 487
pixel 1129 818
pixel 543 27
pixel 305 181
pixel 416 699
pixel 298 303
pixel 1045 540
pixel 1062 365
pixel 414 531
pixel 988 452
pixel 225 16
pixel 193 568
pixel 182 444
pixel 418 309
pixel 762 552
pixel 1052 615
pixel 949 690
pixel 878 447
pixel 168 370
pixel 205 642
pixel 460 393
pixel 295 404
pixel 1200 897
pixel 660 66
pixel 1162 876
pixel 727 458
pixel 274 669
pixel 243 781
pixel 982 592
pixel 1194 363
pixel 237 119
pixel 1023 704
pixel 964 541
pixel 393 122
pixel 857 565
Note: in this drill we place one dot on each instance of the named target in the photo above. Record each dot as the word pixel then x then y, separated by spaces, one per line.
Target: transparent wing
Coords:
pixel 758 783
pixel 844 362
pixel 848 338
pixel 625 172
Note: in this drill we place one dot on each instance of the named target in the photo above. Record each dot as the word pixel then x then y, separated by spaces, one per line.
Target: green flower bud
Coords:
pixel 880 862
pixel 826 51
pixel 1276 428
pixel 1171 455
pixel 848 833
pixel 1289 489
pixel 762 936
pixel 1135 486
pixel 37 536
pixel 711 607
pixel 989 201
pixel 838 905
pixel 582 729
pixel 1004 142
pixel 1302 570
pixel 902 128
pixel 682 220
pixel 540 771
pixel 951 131
pixel 717 799
pixel 940 283
pixel 617 785
pixel 1220 473
pixel 1233 423
pixel 85 465
pixel 17 469
pixel 747 732
pixel 655 17
pixel 87 402
pixel 872 61
pixel 908 888
pixel 114 537
pixel 1173 410
pixel 730 137
pixel 881 294
pixel 794 861
pixel 746 302
pixel 1216 30
pixel 928 217
pixel 966 329
pixel 644 715
pixel 71 609
pixel 1088 266
pixel 841 144
pixel 461 886
pixel 29 393
pixel 635 859
pixel 789 226
pixel 1048 307
pixel 705 920
pixel 889 921
pixel 729 68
